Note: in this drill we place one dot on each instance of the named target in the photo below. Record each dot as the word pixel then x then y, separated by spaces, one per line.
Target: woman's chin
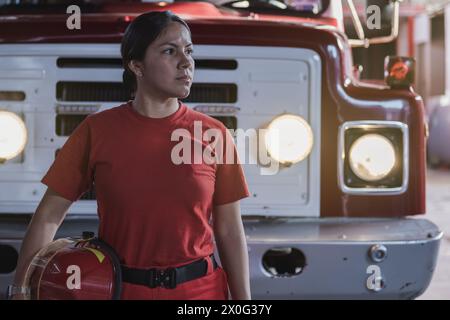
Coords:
pixel 182 94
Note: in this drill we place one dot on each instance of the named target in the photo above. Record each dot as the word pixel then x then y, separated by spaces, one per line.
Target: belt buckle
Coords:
pixel 163 278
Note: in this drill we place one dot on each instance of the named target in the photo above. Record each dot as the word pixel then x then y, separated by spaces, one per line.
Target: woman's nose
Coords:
pixel 185 61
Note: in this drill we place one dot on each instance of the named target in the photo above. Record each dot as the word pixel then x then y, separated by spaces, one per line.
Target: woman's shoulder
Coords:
pixel 207 120
pixel 107 115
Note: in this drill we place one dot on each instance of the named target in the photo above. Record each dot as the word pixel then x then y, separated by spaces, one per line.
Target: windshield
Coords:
pixel 289 7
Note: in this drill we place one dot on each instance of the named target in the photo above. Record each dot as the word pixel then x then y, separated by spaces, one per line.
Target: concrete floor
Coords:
pixel 438 211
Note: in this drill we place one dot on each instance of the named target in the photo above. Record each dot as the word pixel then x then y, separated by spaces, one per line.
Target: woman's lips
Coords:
pixel 184 79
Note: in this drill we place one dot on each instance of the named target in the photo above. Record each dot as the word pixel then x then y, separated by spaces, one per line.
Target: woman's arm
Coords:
pixel 232 248
pixel 43 226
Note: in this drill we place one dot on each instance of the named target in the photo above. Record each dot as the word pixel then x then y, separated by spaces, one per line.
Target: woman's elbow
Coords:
pixel 52 209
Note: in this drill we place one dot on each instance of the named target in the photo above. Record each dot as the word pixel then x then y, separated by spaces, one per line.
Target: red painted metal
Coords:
pixel 107 23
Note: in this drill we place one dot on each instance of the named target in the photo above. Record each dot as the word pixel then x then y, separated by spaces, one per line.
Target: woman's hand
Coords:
pixel 19 296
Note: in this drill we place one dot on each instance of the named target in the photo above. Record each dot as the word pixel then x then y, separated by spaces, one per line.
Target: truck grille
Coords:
pixel 12 95
pixel 91 91
pixel 116 92
pixel 111 63
pixel 213 92
pixel 67 123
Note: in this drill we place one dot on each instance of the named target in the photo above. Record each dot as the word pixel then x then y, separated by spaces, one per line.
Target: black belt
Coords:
pixel 167 278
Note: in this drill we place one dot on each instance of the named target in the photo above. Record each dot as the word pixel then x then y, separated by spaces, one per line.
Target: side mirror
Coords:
pixel 384 12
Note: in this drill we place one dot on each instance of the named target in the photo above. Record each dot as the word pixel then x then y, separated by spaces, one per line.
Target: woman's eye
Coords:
pixel 189 51
pixel 169 51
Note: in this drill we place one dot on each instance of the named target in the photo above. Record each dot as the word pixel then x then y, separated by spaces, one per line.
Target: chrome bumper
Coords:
pixel 341 258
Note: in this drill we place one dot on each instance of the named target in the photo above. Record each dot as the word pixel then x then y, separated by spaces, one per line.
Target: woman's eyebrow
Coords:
pixel 174 45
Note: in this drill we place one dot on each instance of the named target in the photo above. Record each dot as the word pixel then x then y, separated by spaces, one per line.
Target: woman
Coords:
pixel 154 211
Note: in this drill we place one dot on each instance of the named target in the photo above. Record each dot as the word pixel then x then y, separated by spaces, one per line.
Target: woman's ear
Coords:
pixel 136 67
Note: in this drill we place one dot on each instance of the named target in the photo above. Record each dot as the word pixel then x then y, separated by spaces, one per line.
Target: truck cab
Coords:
pixel 340 221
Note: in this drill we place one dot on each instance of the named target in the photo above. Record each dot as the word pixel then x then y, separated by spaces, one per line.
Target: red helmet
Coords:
pixel 74 269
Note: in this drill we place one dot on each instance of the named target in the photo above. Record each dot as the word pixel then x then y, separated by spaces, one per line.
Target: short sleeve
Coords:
pixel 230 184
pixel 70 174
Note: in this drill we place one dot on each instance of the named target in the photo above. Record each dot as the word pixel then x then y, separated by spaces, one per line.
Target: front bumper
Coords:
pixel 334 257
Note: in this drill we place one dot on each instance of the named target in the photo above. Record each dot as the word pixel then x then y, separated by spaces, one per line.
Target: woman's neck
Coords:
pixel 154 108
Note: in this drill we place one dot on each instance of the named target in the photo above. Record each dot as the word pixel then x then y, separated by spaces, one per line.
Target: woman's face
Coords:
pixel 168 66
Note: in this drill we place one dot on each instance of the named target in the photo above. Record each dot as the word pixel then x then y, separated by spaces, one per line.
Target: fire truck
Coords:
pixel 338 222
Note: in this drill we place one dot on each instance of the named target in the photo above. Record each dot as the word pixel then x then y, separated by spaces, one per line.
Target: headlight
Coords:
pixel 13 135
pixel 372 157
pixel 289 139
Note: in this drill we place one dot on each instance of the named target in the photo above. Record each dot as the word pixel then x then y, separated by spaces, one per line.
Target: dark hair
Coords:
pixel 141 32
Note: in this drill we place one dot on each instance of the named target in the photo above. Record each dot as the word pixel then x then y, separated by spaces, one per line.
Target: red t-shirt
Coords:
pixel 153 212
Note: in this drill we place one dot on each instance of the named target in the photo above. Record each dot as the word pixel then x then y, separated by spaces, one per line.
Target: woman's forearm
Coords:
pixel 45 222
pixel 39 234
pixel 233 254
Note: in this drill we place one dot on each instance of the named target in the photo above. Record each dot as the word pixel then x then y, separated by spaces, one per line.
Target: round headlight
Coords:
pixel 372 157
pixel 289 139
pixel 13 135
